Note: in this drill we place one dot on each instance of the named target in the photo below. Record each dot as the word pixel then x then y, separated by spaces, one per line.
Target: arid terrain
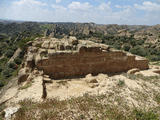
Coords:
pixel 73 71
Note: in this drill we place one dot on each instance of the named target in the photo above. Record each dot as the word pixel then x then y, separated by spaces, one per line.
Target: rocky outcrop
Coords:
pixel 132 71
pixel 10 111
pixel 67 58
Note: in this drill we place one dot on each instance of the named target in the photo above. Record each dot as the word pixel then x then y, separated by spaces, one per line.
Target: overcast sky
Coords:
pixel 97 11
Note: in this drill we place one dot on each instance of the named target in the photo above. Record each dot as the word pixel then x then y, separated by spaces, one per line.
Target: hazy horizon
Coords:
pixel 121 12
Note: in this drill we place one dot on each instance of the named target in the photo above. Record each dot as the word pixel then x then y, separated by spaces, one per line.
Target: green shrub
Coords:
pixel 154 58
pixel 18 61
pixel 8 72
pixel 121 83
pixel 2 83
pixel 1 68
pixel 133 42
pixel 117 46
pixel 138 50
pixel 126 47
pixel 9 53
pixel 145 115
pixel 1 53
pixel 140 42
pixel 12 65
pixel 3 60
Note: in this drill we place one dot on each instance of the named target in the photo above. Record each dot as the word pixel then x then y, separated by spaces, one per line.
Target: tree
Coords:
pixel 126 47
pixel 138 50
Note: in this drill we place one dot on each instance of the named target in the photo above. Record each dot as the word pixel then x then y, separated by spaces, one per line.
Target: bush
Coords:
pixel 1 53
pixel 117 46
pixel 17 61
pixel 138 50
pixel 9 53
pixel 140 42
pixel 126 47
pixel 121 83
pixel 3 60
pixel 12 65
pixel 8 72
pixel 132 42
pixel 148 115
pixel 154 58
pixel 2 84
pixel 1 68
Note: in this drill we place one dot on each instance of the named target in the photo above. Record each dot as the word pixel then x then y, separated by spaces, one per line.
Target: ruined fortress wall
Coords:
pixel 66 65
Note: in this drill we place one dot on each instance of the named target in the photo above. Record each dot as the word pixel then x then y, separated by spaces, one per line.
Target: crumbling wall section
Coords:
pixel 89 60
pixel 69 58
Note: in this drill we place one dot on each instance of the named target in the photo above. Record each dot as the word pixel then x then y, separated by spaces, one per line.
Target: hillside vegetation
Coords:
pixel 12 37
pixel 140 40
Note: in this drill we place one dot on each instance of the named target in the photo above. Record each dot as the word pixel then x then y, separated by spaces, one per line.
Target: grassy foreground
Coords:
pixel 86 107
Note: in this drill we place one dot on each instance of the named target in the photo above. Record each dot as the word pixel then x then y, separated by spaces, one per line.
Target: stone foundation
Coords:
pixel 66 65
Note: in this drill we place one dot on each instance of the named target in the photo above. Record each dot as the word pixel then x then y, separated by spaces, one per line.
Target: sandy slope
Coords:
pixel 129 90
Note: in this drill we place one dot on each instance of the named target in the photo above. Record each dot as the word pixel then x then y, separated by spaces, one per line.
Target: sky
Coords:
pixel 131 12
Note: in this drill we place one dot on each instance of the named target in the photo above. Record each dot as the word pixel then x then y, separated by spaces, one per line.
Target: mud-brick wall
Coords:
pixel 68 65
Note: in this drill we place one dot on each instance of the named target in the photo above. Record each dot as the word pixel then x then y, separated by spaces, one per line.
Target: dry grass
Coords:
pixel 145 78
pixel 157 98
pixel 86 107
pixel 27 85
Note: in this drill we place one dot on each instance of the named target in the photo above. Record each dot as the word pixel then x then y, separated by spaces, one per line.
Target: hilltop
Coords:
pixel 79 71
